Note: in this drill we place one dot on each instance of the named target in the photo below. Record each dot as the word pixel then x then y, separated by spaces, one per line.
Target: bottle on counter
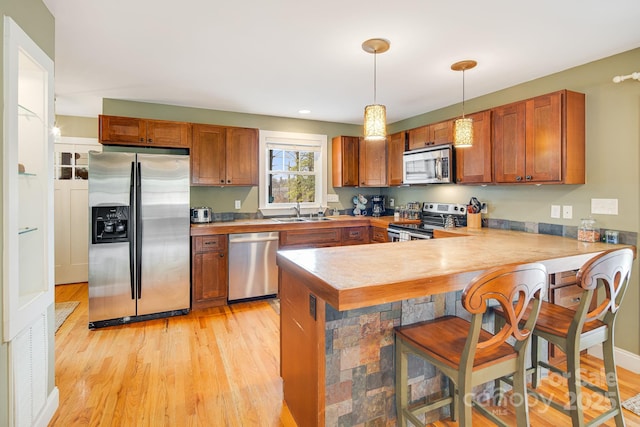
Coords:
pixel 396 213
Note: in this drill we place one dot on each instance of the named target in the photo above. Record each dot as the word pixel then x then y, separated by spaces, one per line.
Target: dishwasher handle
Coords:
pixel 251 239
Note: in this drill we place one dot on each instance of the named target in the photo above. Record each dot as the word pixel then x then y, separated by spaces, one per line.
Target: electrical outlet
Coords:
pixel 392 203
pixel 567 211
pixel 238 205
pixel 333 198
pixel 555 211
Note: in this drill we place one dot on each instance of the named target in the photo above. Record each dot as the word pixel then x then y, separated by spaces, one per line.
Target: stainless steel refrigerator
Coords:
pixel 139 252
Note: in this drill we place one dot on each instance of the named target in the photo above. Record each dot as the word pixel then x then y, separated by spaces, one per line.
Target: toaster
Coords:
pixel 201 215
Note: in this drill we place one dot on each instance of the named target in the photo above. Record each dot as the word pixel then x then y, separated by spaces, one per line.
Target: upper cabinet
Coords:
pixel 114 130
pixel 430 135
pixel 224 156
pixel 396 145
pixel 473 164
pixel 541 140
pixel 344 155
pixel 373 163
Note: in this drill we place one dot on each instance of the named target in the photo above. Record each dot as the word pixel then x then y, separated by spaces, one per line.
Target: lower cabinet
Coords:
pixel 209 271
pixel 378 235
pixel 323 237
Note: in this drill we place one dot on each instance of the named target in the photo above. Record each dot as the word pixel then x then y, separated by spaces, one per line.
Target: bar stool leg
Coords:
pixel 453 408
pixel 575 387
pixel 535 359
pixel 465 399
pixel 519 396
pixel 401 383
pixel 611 377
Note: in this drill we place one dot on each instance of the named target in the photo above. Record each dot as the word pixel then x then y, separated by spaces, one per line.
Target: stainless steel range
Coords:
pixel 434 216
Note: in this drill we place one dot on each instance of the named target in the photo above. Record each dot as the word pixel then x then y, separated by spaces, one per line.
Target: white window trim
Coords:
pixel 321 183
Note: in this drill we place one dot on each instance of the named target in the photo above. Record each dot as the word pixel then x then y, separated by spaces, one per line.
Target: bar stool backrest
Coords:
pixel 610 270
pixel 514 288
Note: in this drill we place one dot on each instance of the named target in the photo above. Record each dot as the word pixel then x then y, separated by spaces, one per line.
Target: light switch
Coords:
pixel 333 198
pixel 555 211
pixel 238 204
pixel 567 211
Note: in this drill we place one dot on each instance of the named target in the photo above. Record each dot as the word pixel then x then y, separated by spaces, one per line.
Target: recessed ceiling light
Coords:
pixel 304 111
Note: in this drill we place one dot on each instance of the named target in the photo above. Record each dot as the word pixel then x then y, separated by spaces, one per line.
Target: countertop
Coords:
pixel 269 224
pixel 350 277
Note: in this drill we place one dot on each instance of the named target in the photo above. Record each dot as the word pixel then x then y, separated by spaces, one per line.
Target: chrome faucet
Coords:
pixel 297 209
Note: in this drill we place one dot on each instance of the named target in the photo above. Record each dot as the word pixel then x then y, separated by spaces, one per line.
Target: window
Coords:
pixel 71 158
pixel 293 169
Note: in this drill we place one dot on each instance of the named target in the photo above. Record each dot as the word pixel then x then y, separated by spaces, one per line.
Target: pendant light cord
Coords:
pixel 375 67
pixel 463 93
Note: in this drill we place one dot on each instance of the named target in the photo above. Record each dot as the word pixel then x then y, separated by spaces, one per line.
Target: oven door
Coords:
pixel 396 235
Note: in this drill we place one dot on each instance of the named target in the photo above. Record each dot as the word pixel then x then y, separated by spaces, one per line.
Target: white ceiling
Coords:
pixel 279 56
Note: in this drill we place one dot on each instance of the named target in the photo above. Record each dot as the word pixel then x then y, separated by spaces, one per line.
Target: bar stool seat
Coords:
pixel 469 355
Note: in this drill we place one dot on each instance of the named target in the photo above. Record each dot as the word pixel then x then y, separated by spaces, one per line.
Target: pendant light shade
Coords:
pixel 375 115
pixel 375 122
pixel 463 133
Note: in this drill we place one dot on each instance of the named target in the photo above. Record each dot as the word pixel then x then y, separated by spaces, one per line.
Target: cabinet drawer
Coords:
pixel 563 278
pixel 310 238
pixel 210 243
pixel 355 235
pixel 567 296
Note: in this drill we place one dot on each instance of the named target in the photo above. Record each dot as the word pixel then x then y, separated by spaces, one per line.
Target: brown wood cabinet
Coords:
pixel 396 146
pixel 473 164
pixel 540 140
pixel 430 135
pixel 378 235
pixel 310 238
pixel 226 156
pixel 209 271
pixel 115 130
pixel 372 163
pixel 344 156
pixel 355 236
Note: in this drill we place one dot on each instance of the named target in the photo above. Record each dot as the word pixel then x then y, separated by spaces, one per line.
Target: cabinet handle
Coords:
pixel 221 254
pixel 209 243
pixel 228 181
pixel 141 139
pixel 529 177
pixel 576 299
pixel 222 181
pixel 518 178
pixel 150 140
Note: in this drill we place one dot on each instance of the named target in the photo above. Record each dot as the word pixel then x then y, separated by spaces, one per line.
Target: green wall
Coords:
pixel 612 156
pixel 34 18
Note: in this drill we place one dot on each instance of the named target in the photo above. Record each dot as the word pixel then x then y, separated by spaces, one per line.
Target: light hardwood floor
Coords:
pixel 215 367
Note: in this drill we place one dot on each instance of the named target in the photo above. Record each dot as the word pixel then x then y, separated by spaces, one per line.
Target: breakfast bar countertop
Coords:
pixel 350 277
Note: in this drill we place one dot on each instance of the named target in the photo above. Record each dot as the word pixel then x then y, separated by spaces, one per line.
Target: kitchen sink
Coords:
pixel 302 219
pixel 295 219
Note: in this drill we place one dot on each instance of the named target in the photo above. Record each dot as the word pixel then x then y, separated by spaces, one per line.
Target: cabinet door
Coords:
pixel 122 130
pixel 355 235
pixel 509 142
pixel 396 150
pixel 473 164
pixel 310 238
pixel 344 156
pixel 378 235
pixel 242 156
pixel 418 137
pixel 163 133
pixel 373 163
pixel 441 133
pixel 209 271
pixel 544 138
pixel 208 165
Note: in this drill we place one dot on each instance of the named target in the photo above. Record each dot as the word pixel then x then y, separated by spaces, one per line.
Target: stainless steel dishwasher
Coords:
pixel 252 265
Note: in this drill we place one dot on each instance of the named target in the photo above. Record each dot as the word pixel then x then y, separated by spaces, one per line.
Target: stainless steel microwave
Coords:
pixel 433 165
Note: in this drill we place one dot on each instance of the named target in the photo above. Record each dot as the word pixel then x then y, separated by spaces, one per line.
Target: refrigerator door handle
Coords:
pixel 139 230
pixel 131 247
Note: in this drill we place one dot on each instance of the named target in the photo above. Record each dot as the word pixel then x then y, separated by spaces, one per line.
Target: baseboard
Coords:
pixel 50 408
pixel 624 359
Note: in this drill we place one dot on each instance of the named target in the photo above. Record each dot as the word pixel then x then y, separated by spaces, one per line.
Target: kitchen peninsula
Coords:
pixel 339 306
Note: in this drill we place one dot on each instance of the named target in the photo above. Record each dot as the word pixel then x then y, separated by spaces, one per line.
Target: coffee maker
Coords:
pixel 377 206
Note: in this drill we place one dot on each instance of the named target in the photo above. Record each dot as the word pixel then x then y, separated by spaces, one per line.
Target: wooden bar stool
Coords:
pixel 576 330
pixel 467 354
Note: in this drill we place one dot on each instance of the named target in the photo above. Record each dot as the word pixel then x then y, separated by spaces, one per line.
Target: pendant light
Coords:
pixel 375 115
pixel 463 132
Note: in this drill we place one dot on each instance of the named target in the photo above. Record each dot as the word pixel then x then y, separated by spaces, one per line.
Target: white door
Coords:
pixel 71 212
